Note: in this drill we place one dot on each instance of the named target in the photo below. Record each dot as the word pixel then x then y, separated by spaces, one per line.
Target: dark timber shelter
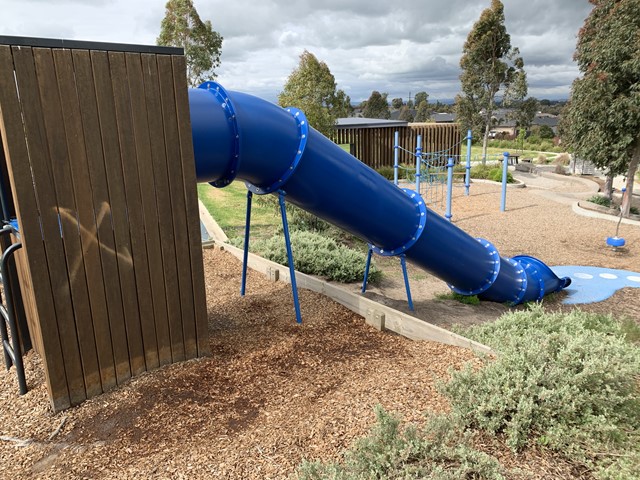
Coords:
pixel 373 143
pixel 97 167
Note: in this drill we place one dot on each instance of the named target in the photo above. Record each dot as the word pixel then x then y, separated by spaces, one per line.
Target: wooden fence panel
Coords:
pixel 98 151
pixel 374 146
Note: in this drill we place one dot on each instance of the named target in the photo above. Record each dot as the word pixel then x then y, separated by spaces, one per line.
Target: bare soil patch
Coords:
pixel 274 392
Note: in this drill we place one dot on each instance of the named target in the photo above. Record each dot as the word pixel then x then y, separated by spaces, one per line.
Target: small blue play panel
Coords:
pixel 594 284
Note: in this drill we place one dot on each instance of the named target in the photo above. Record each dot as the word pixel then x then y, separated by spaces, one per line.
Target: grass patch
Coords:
pixel 228 207
pixel 600 200
pixel 466 299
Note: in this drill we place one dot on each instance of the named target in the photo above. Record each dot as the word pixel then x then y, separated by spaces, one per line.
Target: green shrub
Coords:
pixel 495 174
pixel 600 200
pixel 565 381
pixel 438 451
pixel 316 254
pixel 386 172
pixel 634 210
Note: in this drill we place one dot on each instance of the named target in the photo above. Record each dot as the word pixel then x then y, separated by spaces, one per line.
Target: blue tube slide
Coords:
pixel 239 136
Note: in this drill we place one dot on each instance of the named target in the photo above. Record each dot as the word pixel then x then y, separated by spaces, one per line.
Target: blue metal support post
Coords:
pixel 396 154
pixel 366 270
pixel 450 165
pixel 418 162
pixel 403 262
pixel 467 177
pixel 287 240
pixel 245 257
pixel 505 171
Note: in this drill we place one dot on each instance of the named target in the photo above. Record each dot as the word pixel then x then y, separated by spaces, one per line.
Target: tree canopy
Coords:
pixel 421 97
pixel 602 120
pixel 397 103
pixel 422 115
pixel 312 88
pixel 490 66
pixel 182 27
pixel 376 106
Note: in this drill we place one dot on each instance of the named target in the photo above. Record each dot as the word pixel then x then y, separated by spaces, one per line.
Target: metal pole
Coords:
pixel 418 162
pixel 406 281
pixel 450 164
pixel 245 257
pixel 366 270
pixel 292 270
pixel 396 155
pixel 505 167
pixel 10 317
pixel 467 177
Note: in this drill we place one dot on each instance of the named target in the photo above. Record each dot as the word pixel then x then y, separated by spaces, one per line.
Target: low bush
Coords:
pixel 316 254
pixel 562 159
pixel 541 159
pixel 600 200
pixel 568 382
pixel 560 170
pixel 386 172
pixel 439 451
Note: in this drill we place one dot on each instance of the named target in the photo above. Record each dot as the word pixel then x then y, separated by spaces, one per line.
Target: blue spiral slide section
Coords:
pixel 238 136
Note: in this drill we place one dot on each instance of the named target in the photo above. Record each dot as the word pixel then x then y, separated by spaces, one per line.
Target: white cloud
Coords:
pixel 397 47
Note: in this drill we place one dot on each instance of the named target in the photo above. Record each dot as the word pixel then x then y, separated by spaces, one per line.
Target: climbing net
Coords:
pixel 433 173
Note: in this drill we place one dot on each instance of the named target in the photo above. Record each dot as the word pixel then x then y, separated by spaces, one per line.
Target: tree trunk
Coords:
pixel 608 186
pixel 627 196
pixel 485 141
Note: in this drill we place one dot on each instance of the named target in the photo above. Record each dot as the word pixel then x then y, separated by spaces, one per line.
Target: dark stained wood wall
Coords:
pixel 375 146
pixel 99 155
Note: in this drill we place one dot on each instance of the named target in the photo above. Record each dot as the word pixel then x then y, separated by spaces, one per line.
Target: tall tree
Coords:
pixel 422 115
pixel 376 106
pixel 397 103
pixel 421 97
pixel 489 67
pixel 602 121
pixel 182 27
pixel 312 88
pixel 405 114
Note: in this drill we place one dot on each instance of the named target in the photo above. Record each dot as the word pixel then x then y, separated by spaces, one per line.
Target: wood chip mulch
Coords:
pixel 273 392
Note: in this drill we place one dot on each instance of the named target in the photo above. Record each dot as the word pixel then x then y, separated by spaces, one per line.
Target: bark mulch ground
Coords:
pixel 273 392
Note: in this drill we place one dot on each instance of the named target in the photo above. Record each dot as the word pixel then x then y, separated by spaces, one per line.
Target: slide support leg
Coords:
pixel 366 270
pixel 292 270
pixel 403 262
pixel 245 256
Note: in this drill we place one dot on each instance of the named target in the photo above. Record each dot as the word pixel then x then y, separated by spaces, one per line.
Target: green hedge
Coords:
pixel 316 254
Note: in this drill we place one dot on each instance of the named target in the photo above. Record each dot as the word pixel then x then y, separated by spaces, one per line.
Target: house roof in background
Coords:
pixel 359 122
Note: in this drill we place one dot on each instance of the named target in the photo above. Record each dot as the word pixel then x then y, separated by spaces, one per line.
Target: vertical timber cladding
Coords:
pixel 97 140
pixel 374 146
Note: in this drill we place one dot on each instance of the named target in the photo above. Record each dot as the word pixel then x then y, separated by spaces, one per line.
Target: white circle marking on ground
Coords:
pixel 633 278
pixel 608 276
pixel 584 276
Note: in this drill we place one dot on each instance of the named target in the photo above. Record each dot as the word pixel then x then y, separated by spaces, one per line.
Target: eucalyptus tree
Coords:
pixel 490 67
pixel 311 87
pixel 183 27
pixel 601 123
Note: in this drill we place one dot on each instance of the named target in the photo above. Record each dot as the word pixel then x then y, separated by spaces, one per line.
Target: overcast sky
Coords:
pixel 396 47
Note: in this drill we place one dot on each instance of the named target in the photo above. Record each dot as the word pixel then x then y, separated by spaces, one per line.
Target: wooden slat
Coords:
pixel 169 337
pixel 17 154
pixel 172 145
pixel 62 188
pixel 193 222
pixel 84 201
pixel 45 193
pixel 96 102
pixel 157 309
pixel 127 219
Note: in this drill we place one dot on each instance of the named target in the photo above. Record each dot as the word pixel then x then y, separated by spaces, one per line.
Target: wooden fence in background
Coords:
pixel 374 146
pixel 98 151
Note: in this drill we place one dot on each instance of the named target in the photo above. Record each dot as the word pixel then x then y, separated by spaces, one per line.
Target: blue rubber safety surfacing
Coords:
pixel 594 284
